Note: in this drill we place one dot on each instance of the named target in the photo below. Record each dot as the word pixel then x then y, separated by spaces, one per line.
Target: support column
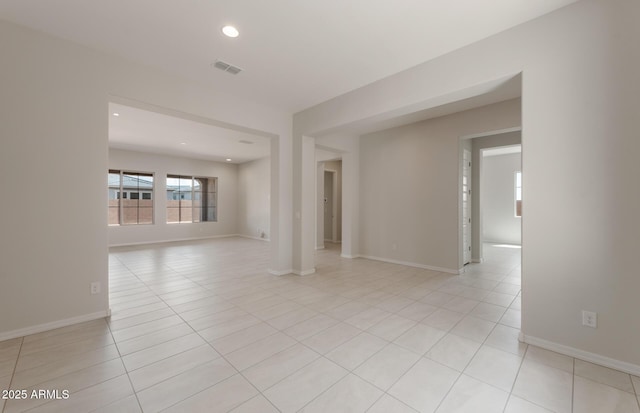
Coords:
pixel 304 195
pixel 350 203
pixel 280 204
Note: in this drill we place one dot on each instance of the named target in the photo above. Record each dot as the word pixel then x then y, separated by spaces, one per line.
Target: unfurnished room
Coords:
pixel 333 206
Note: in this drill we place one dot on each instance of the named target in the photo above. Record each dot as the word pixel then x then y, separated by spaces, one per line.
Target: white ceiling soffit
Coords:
pixel 502 150
pixel 142 130
pixel 495 91
pixel 295 54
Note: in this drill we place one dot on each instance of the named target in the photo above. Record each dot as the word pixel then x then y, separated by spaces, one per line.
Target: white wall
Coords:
pixel 409 187
pixel 161 166
pixel 580 100
pixel 54 128
pixel 500 225
pixel 253 198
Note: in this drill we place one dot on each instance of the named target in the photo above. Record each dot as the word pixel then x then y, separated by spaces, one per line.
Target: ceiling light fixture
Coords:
pixel 183 143
pixel 228 159
pixel 116 114
pixel 230 31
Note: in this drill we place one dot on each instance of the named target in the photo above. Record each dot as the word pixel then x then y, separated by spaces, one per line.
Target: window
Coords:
pixel 132 211
pixel 518 198
pixel 191 199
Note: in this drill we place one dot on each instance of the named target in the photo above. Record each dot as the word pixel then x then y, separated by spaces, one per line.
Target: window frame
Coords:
pixel 122 195
pixel 192 191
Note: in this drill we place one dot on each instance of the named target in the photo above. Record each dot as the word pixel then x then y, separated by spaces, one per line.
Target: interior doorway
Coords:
pixel 330 198
pixel 475 192
pixel 501 196
pixel 466 206
pixel 328 202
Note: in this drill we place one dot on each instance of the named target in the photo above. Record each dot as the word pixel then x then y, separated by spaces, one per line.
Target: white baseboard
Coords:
pixel 305 272
pixel 8 335
pixel 349 256
pixel 477 260
pixel 582 355
pixel 319 247
pixel 413 264
pixel 250 237
pixel 282 272
pixel 130 244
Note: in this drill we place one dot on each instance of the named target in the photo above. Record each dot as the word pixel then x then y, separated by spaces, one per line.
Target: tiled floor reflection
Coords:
pixel 201 326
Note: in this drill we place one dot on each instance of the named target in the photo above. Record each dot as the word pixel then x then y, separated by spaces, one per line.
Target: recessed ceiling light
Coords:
pixel 183 143
pixel 230 31
pixel 116 114
pixel 228 159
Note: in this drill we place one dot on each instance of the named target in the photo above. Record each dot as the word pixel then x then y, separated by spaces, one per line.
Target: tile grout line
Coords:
pixel 13 373
pixel 516 378
pixel 238 372
pixel 351 299
pixel 123 365
pixel 468 363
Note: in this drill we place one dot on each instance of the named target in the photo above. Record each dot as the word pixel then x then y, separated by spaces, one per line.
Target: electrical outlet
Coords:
pixel 589 319
pixel 95 288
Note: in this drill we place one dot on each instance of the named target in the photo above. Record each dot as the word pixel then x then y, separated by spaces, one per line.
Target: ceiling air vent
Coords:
pixel 226 67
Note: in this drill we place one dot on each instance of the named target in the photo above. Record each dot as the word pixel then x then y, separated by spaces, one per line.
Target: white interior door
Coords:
pixel 466 207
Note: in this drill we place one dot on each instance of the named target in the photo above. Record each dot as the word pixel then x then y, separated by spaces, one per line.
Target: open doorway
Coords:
pixel 501 196
pixel 330 207
pixel 494 201
pixel 329 203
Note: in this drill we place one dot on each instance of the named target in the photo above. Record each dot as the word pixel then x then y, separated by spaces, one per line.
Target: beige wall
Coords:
pixel 409 186
pixel 253 198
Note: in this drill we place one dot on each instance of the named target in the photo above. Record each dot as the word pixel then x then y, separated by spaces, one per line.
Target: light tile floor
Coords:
pixel 200 326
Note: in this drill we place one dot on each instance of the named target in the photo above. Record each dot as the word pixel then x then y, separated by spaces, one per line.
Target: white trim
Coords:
pixel 305 272
pixel 256 238
pixel 413 264
pixel 477 260
pixel 283 272
pixel 174 240
pixel 319 247
pixel 583 355
pixel 350 256
pixel 8 335
pixel 491 133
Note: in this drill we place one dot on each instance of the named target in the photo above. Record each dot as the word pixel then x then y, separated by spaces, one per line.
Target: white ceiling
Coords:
pixel 141 130
pixel 294 53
